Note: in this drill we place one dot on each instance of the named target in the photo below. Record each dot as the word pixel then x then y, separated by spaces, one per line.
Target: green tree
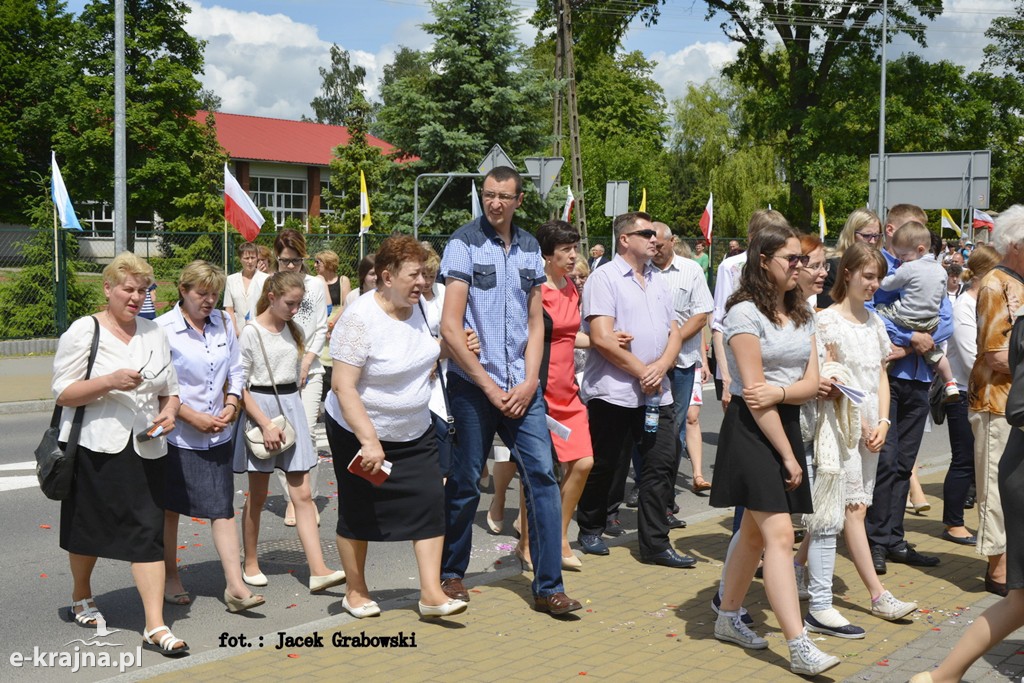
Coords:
pixel 710 155
pixel 349 159
pixel 36 40
pixel 478 91
pixel 165 145
pixel 28 301
pixel 794 77
pixel 340 91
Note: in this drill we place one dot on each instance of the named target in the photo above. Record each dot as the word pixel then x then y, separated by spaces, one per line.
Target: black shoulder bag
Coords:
pixel 55 466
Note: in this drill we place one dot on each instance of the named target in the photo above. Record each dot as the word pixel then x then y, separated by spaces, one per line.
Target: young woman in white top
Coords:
pixel 112 511
pixel 282 339
pixel 311 317
pixel 243 289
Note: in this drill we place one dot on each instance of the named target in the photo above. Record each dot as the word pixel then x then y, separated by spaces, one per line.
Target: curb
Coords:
pixel 43 405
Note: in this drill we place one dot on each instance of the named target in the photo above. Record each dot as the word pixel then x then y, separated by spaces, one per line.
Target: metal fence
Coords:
pixel 48 280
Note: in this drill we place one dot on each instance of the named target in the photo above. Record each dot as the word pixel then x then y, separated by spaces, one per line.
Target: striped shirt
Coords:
pixel 499 286
pixel 690 297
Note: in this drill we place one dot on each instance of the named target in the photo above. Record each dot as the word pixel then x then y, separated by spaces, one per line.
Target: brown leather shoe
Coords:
pixel 556 603
pixel 454 589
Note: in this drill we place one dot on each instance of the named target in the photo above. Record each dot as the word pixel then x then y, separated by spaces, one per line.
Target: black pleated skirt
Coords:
pixel 748 469
pixel 1011 494
pixel 408 506
pixel 115 507
pixel 200 483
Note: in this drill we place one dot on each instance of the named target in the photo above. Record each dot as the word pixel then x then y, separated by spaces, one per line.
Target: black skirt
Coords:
pixel 200 483
pixel 408 506
pixel 748 469
pixel 114 509
pixel 1011 494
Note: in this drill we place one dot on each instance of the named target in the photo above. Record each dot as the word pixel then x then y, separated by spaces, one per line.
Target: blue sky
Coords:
pixel 263 56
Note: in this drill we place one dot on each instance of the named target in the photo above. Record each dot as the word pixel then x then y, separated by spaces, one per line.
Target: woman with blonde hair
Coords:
pixel 199 481
pixel 271 349
pixel 862 225
pixel 129 402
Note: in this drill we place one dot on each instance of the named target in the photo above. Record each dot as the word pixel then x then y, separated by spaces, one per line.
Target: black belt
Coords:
pixel 289 388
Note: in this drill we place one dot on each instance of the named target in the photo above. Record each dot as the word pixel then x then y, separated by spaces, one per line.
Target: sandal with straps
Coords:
pixel 89 616
pixel 166 644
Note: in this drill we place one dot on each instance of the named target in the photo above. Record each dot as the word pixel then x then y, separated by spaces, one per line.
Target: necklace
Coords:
pixel 119 331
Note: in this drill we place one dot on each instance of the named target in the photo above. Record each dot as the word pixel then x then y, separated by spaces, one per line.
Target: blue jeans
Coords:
pixel 476 422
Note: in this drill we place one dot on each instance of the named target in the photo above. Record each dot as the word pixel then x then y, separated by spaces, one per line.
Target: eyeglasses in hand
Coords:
pixel 149 374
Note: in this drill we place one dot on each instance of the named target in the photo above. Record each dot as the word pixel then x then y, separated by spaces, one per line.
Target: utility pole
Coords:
pixel 120 165
pixel 565 65
pixel 880 209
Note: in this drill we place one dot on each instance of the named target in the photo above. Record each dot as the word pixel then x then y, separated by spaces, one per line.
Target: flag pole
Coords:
pixel 225 245
pixel 56 248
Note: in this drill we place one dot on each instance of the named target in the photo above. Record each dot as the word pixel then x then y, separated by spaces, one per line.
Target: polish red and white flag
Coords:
pixel 239 209
pixel 707 220
pixel 570 201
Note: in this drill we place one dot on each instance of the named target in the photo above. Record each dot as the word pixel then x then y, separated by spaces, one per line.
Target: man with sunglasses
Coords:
pixel 493 272
pixel 621 384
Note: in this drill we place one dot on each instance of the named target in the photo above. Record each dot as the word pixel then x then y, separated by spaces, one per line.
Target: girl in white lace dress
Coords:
pixel 283 342
pixel 855 338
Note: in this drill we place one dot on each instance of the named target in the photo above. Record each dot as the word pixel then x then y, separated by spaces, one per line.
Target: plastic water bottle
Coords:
pixel 652 412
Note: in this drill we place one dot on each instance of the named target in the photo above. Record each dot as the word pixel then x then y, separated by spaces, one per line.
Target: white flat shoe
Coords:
pixel 446 610
pixel 258 579
pixel 370 609
pixel 493 525
pixel 320 583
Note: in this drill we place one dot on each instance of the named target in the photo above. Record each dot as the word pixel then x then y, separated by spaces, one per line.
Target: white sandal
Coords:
pixel 89 616
pixel 166 644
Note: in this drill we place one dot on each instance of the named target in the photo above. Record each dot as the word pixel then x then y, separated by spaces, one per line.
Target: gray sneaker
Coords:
pixel 891 609
pixel 806 659
pixel 733 630
pixel 802 590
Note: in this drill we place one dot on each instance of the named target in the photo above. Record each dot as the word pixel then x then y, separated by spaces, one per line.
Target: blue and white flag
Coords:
pixel 61 200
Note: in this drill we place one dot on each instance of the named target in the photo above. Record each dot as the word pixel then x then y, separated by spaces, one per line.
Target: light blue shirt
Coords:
pixel 205 362
pixel 913 366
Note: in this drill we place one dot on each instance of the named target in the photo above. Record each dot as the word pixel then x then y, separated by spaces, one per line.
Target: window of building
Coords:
pixel 284 197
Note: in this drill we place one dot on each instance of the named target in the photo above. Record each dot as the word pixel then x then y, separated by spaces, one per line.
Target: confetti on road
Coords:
pixel 44 526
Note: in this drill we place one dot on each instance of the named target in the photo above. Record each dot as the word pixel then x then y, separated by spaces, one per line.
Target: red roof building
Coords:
pixel 283 165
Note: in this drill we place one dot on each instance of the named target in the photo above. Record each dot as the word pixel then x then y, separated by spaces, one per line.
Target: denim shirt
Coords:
pixel 500 283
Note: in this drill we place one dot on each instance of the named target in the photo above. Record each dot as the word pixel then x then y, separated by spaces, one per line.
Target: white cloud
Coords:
pixel 268 65
pixel 693 64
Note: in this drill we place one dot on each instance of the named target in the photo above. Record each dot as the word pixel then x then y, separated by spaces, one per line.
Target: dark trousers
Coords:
pixel 614 432
pixel 908 410
pixel 960 476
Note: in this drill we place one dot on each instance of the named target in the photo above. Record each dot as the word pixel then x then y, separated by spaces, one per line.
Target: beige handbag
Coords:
pixel 254 434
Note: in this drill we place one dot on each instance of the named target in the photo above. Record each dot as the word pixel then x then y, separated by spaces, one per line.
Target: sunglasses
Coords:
pixel 646 234
pixel 795 259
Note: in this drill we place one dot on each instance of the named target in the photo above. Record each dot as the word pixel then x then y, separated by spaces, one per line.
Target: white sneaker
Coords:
pixel 733 630
pixel 891 609
pixel 806 659
pixel 802 590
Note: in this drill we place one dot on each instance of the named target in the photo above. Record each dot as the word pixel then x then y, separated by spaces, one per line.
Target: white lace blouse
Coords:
pixel 281 349
pixel 396 357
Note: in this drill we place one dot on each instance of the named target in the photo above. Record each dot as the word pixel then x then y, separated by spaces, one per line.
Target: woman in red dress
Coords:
pixel 559 244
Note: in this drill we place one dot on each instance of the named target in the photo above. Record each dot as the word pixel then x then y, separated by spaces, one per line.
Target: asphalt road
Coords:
pixel 35 588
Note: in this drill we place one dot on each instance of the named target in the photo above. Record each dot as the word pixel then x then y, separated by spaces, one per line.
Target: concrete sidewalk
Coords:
pixel 25 384
pixel 638 621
